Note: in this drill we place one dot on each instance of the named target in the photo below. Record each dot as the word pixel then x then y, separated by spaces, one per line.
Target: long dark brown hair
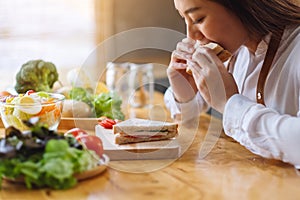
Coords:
pixel 262 17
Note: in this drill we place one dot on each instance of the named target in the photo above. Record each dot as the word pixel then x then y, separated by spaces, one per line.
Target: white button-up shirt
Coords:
pixel 272 131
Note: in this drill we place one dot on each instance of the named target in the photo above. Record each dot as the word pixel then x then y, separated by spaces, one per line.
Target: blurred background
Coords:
pixel 65 32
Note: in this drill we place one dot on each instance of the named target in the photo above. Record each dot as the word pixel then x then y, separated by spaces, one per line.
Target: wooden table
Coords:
pixel 228 171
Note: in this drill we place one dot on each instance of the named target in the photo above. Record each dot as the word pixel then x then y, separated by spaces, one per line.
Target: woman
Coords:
pixel 261 108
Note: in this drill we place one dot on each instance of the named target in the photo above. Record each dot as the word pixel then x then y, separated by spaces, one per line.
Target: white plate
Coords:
pixel 94 172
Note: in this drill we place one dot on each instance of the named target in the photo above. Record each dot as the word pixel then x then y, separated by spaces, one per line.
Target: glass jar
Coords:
pixel 141 85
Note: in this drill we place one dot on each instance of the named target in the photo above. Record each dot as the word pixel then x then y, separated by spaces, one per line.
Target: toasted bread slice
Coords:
pixel 224 55
pixel 217 49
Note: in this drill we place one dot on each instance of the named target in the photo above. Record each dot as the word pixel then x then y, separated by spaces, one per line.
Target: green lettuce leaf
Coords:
pixel 55 168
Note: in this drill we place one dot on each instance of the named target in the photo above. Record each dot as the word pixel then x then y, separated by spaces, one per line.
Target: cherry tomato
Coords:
pixel 75 132
pixel 92 142
pixel 30 92
pixel 105 125
pixel 110 121
pixel 106 122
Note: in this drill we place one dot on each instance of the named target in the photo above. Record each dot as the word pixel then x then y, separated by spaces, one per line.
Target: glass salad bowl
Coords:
pixel 18 108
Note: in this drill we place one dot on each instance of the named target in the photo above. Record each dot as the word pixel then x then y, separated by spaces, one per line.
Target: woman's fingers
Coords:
pixel 183 85
pixel 185 47
pixel 179 56
pixel 206 57
pixel 209 79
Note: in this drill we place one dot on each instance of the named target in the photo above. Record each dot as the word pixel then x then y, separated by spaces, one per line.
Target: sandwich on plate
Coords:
pixel 142 130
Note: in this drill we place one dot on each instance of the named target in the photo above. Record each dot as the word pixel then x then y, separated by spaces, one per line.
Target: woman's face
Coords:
pixel 208 21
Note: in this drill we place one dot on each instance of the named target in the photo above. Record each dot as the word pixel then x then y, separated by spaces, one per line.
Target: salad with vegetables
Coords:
pixel 45 158
pixel 17 108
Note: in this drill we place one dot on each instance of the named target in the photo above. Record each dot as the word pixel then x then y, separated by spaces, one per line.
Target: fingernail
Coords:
pixel 189 56
pixel 191 50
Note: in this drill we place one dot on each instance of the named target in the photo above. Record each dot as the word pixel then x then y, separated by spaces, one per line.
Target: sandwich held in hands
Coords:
pixel 222 53
pixel 142 130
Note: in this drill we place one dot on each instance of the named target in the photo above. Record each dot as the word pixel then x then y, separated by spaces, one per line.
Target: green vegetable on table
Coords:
pixel 81 94
pixel 36 75
pixel 109 105
pixel 43 158
pixel 103 104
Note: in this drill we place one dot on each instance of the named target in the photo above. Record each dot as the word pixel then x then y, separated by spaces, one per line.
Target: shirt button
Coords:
pixel 259 95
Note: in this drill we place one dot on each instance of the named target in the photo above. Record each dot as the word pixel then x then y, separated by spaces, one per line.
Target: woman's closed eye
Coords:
pixel 199 20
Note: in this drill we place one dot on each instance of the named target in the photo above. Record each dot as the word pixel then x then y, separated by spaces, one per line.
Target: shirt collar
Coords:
pixel 263 45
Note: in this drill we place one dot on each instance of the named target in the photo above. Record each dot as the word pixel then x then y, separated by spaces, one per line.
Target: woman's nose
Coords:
pixel 193 33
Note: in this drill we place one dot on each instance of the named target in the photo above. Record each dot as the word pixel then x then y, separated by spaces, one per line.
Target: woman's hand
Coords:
pixel 183 84
pixel 213 81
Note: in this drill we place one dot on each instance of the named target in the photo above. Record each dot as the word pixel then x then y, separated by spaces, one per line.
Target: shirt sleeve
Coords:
pixel 263 130
pixel 185 111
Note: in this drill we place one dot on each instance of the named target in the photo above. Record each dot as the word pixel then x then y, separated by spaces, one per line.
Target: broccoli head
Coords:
pixel 36 75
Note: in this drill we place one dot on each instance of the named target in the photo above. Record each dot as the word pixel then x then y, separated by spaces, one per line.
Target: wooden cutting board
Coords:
pixel 165 149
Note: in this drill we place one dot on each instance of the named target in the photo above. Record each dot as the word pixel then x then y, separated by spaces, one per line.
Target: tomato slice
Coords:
pixel 75 132
pixel 30 92
pixel 105 125
pixel 111 121
pixel 106 122
pixel 92 142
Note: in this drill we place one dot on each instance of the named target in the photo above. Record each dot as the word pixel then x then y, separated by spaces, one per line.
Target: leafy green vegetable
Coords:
pixel 43 158
pixel 81 94
pixel 36 75
pixel 109 105
pixel 104 104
